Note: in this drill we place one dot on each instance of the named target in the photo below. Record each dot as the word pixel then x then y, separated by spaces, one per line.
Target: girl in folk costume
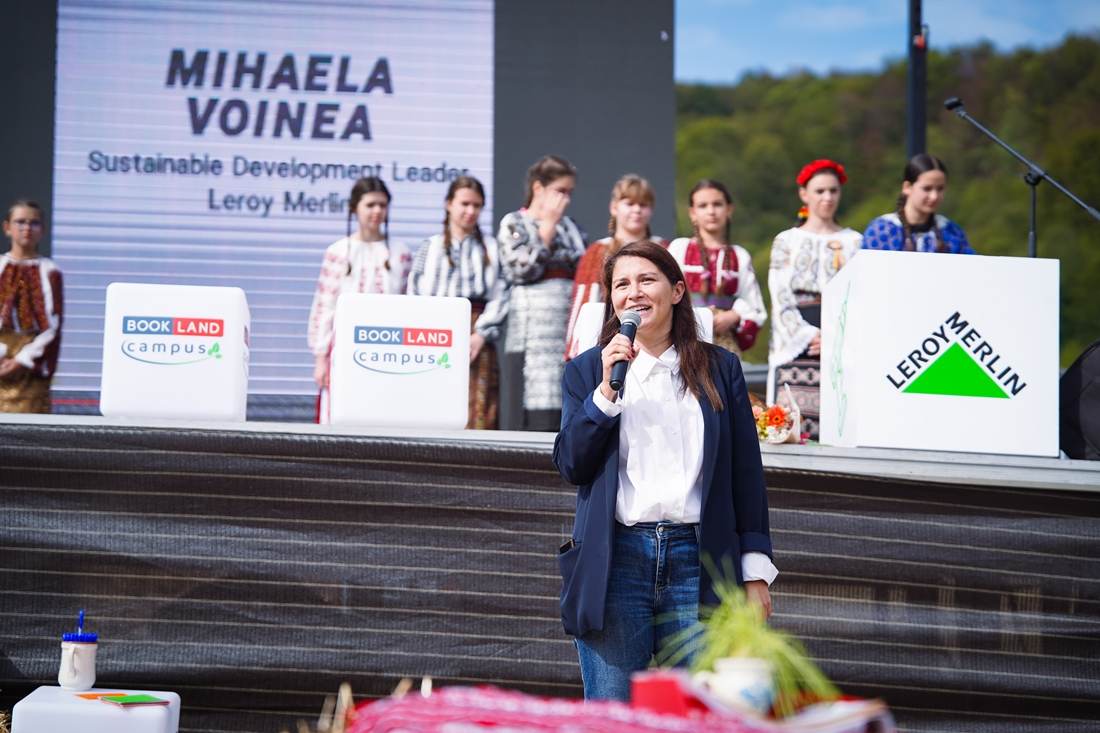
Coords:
pixel 539 250
pixel 719 275
pixel 363 262
pixel 460 262
pixel 803 260
pixel 915 226
pixel 631 209
pixel 30 313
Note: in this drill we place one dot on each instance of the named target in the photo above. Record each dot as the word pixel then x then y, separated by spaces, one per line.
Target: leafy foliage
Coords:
pixel 756 135
pixel 736 628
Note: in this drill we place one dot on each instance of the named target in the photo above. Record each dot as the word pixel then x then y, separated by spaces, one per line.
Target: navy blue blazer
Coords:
pixel 734 504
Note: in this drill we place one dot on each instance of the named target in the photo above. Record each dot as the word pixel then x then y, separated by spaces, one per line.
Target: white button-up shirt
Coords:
pixel 661 450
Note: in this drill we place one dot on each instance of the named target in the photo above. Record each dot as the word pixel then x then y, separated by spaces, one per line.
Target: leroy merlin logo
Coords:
pixel 955 360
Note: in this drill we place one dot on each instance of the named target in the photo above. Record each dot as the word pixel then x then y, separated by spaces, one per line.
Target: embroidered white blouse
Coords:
pixel 801 262
pixel 353 266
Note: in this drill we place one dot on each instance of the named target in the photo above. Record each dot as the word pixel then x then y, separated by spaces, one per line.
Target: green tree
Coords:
pixel 755 136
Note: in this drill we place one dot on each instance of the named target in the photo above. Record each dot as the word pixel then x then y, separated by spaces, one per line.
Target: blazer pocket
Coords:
pixel 568 554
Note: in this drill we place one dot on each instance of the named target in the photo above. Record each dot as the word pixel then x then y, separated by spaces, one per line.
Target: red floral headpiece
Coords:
pixel 824 164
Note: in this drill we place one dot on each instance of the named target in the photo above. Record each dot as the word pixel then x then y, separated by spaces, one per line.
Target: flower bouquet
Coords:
pixel 779 423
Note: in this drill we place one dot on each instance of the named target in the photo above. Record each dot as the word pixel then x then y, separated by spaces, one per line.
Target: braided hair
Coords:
pixel 365 185
pixel 702 185
pixel 919 164
pixel 456 185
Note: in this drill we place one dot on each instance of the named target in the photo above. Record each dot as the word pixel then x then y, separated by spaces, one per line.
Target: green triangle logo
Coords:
pixel 956 373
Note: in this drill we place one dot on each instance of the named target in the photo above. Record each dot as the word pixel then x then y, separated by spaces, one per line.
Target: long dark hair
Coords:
pixel 546 170
pixel 457 185
pixel 695 355
pixel 365 185
pixel 917 165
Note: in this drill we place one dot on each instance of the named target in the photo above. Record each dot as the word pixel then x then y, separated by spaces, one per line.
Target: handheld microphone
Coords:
pixel 628 326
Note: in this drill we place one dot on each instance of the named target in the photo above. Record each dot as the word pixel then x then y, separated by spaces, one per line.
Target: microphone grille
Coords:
pixel 633 317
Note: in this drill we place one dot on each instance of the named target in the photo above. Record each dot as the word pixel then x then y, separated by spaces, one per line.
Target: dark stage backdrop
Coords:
pixel 253 572
pixel 28 57
pixel 593 82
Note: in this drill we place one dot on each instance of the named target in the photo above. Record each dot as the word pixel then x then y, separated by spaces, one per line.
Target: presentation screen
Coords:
pixel 216 143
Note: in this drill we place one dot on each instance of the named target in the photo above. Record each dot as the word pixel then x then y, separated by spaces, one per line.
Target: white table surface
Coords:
pixel 51 709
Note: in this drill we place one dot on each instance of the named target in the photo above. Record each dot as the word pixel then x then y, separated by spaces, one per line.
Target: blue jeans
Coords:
pixel 653 592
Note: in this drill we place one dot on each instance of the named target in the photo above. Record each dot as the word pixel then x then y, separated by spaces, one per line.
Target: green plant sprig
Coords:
pixel 736 627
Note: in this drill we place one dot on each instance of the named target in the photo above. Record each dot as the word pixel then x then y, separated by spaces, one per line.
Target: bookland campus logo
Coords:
pixel 172 341
pixel 402 350
pixel 956 360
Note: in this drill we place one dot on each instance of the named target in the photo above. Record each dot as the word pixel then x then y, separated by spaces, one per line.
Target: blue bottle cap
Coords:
pixel 87 637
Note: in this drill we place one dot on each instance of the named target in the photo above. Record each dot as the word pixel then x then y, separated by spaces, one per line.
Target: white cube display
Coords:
pixel 175 351
pixel 400 361
pixel 941 352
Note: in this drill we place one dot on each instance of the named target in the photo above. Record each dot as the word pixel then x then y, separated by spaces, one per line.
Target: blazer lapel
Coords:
pixel 611 466
pixel 711 429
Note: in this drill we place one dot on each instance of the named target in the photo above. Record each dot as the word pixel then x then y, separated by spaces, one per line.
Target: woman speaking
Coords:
pixel 668 471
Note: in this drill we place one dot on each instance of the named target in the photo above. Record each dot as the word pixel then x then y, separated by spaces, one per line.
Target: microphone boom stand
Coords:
pixel 1034 176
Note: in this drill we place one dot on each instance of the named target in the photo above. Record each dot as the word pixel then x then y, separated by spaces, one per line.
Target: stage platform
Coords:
pixel 254 567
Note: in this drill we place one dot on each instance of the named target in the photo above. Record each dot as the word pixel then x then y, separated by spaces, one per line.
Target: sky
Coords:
pixel 717 41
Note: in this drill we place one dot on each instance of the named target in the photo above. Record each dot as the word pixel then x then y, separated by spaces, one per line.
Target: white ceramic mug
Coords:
pixel 77 665
pixel 741 682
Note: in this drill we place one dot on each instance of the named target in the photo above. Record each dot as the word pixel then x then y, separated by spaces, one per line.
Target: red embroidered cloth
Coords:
pixel 469 709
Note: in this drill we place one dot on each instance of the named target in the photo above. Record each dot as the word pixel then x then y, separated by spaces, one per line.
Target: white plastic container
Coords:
pixel 77 671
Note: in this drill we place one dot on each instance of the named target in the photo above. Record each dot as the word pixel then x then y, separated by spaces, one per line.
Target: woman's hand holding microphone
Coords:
pixel 618 349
